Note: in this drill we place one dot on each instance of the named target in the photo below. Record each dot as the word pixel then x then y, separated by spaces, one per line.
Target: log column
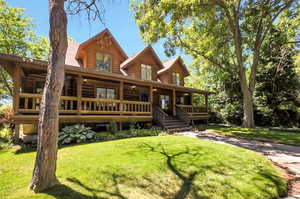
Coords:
pixel 16 88
pixel 174 102
pixel 79 81
pixel 151 99
pixel 206 102
pixel 17 81
pixel 121 97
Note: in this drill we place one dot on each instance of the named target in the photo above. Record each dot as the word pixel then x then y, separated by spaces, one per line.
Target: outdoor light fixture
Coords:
pixel 185 94
pixel 84 80
pixel 154 89
pixel 133 87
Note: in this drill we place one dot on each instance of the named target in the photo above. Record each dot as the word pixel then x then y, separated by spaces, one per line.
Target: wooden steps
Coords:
pixel 172 124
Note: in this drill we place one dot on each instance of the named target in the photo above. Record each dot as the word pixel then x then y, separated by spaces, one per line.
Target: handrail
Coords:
pixel 30 103
pixel 161 111
pixel 182 115
pixel 160 116
pixel 34 95
pixel 192 109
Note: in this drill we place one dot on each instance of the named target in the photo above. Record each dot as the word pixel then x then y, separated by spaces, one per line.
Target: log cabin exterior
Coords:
pixel 103 84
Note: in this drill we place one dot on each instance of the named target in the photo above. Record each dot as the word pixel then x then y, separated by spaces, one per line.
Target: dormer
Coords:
pixel 174 72
pixel 102 53
pixel 143 65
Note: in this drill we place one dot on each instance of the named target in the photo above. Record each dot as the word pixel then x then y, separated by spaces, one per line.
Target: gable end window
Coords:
pixel 103 62
pixel 176 78
pixel 146 72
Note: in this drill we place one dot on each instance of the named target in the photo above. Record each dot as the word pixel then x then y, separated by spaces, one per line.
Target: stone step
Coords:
pixel 189 128
pixel 178 125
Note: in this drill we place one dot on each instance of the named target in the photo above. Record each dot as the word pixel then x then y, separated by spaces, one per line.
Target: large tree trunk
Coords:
pixel 248 120
pixel 45 164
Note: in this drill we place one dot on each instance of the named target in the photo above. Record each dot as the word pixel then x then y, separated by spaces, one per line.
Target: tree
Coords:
pixel 45 164
pixel 228 34
pixel 277 88
pixel 18 38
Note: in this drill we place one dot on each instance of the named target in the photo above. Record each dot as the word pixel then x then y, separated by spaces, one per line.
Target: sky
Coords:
pixel 118 17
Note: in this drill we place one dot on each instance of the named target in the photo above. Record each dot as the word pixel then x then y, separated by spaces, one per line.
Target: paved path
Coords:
pixel 284 156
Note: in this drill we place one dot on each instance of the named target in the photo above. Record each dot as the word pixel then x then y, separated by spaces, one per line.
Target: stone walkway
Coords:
pixel 284 156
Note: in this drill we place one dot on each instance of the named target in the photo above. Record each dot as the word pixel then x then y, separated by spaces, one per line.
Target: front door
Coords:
pixel 165 103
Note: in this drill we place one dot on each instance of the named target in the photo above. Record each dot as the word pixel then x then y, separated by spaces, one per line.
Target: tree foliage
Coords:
pixel 17 37
pixel 227 35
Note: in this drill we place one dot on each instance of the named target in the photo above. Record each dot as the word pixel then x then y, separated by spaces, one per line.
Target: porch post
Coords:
pixel 16 87
pixel 121 93
pixel 192 101
pixel 151 99
pixel 206 102
pixel 174 102
pixel 121 97
pixel 79 92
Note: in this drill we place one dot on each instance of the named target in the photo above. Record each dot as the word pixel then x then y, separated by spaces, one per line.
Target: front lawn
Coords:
pixel 146 168
pixel 261 134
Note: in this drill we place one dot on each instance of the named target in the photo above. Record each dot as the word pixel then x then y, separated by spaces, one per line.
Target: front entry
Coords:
pixel 163 99
pixel 165 103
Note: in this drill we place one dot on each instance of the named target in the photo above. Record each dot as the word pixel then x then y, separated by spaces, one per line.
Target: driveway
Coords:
pixel 284 156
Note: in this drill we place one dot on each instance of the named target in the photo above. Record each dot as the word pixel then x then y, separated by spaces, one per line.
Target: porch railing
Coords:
pixel 192 109
pixel 30 103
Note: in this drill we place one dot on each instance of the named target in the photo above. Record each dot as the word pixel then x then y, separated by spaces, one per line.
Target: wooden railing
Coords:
pixel 160 116
pixel 30 103
pixel 192 109
pixel 182 115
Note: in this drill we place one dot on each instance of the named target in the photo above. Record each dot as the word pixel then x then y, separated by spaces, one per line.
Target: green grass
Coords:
pixel 292 138
pixel 147 168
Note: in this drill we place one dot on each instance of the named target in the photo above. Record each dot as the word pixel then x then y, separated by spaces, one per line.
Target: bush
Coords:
pixel 112 127
pixel 5 133
pixel 129 133
pixel 75 134
pixel 6 113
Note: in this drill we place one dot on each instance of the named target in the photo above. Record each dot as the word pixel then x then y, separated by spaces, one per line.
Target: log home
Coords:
pixel 103 84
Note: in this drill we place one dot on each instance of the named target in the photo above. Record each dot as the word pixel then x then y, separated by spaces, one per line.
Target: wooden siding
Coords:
pixel 88 54
pixel 147 58
pixel 166 77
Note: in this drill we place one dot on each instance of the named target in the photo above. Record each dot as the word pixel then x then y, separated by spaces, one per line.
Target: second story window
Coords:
pixel 176 78
pixel 146 72
pixel 103 62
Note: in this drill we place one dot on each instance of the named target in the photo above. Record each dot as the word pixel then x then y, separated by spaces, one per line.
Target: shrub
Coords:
pixel 112 127
pixel 5 114
pixel 75 134
pixel 5 133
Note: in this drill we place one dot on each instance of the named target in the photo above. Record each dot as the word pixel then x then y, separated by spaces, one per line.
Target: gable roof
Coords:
pixel 169 64
pixel 132 58
pixel 105 31
pixel 71 53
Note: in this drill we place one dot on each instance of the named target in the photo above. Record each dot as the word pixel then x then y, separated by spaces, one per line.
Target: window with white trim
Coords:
pixel 103 62
pixel 176 78
pixel 146 72
pixel 106 93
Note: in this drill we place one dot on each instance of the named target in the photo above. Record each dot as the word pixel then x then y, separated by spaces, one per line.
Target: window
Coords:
pixel 176 78
pixel 146 71
pixel 103 62
pixel 106 93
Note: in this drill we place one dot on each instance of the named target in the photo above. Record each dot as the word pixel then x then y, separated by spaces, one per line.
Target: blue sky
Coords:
pixel 118 18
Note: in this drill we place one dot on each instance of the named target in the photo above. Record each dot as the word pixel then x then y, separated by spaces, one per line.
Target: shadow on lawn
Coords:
pixel 65 192
pixel 182 163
